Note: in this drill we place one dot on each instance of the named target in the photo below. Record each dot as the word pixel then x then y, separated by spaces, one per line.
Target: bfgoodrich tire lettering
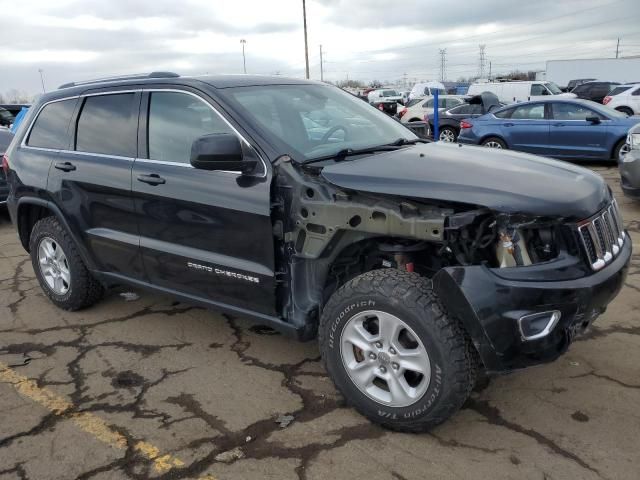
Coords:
pixel 409 297
pixel 82 290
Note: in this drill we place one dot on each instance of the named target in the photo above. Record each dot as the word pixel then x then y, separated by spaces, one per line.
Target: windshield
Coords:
pixel 389 93
pixel 312 121
pixel 555 89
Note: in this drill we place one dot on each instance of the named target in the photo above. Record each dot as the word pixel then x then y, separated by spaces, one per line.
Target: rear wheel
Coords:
pixel 394 353
pixel 494 142
pixel 448 134
pixel 60 271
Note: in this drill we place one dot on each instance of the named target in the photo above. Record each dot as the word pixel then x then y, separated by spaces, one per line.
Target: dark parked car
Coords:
pixel 449 120
pixel 574 83
pixel 561 128
pixel 14 108
pixel 6 117
pixel 629 165
pixel 594 91
pixel 5 139
pixel 417 265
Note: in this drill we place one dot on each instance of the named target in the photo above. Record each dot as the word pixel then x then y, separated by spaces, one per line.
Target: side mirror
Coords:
pixel 594 119
pixel 220 151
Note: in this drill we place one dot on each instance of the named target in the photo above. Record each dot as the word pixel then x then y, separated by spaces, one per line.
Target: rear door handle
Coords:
pixel 558 124
pixel 65 166
pixel 507 124
pixel 152 179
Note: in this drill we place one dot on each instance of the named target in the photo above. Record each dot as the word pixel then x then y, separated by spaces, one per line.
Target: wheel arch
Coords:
pixel 493 135
pixel 30 210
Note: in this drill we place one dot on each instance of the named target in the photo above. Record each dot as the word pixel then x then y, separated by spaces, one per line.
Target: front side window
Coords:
pixel 568 111
pixel 538 89
pixel 176 120
pixel 108 125
pixel 529 112
pixel 50 128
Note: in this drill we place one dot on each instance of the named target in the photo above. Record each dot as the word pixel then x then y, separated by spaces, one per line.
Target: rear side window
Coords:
pixel 528 112
pixel 504 113
pixel 636 92
pixel 108 125
pixel 50 128
pixel 618 90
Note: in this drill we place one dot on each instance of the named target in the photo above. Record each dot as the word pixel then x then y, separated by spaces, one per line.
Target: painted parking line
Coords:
pixel 88 422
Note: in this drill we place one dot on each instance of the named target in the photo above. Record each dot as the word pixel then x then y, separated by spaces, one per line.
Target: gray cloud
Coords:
pixel 518 35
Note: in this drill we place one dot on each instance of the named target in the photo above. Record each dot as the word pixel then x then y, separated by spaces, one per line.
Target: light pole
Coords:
pixel 244 60
pixel 306 48
pixel 41 79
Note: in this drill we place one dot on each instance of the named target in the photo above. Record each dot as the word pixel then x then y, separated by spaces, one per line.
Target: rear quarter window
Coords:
pixel 50 127
pixel 618 90
pixel 504 113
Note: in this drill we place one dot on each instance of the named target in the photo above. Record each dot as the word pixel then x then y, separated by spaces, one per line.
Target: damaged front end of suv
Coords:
pixel 522 272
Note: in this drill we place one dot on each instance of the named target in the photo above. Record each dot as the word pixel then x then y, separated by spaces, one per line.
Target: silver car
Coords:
pixel 629 165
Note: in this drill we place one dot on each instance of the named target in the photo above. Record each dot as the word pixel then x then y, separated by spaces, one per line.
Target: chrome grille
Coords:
pixel 602 236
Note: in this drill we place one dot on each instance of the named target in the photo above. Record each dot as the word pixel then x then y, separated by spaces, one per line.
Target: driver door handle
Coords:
pixel 508 124
pixel 558 124
pixel 152 179
pixel 65 166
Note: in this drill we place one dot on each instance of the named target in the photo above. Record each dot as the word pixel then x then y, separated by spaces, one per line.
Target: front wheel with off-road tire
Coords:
pixel 62 274
pixel 394 353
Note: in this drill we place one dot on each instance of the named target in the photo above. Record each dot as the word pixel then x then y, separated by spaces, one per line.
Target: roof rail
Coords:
pixel 136 76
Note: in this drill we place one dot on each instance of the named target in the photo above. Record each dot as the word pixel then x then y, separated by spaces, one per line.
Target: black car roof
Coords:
pixel 215 81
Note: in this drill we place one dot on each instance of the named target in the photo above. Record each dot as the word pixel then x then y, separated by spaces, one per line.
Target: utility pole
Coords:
pixel 618 48
pixel 306 48
pixel 404 79
pixel 489 70
pixel 482 61
pixel 41 79
pixel 244 60
pixel 443 73
pixel 321 69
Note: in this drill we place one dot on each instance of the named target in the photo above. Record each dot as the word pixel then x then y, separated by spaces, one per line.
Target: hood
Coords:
pixel 566 95
pixel 504 181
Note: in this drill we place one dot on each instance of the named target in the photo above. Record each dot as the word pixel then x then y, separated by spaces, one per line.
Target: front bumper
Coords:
pixel 489 305
pixel 630 174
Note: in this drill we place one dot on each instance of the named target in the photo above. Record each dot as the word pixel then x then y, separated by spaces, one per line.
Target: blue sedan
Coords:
pixel 560 128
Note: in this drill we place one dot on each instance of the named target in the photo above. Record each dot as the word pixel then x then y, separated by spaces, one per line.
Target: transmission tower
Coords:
pixel 443 64
pixel 482 62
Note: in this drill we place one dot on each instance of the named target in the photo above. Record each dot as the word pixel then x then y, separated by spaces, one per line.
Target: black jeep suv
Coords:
pixel 418 265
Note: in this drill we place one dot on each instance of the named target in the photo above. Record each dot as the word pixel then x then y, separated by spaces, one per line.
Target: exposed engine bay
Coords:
pixel 336 234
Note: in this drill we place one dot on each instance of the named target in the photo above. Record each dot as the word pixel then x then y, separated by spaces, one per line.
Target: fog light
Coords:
pixel 538 325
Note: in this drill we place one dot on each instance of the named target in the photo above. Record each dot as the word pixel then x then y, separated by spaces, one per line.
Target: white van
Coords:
pixel 426 89
pixel 518 91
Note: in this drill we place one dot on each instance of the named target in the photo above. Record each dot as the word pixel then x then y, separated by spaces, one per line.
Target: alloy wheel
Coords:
pixel 54 266
pixel 447 136
pixel 384 358
pixel 493 144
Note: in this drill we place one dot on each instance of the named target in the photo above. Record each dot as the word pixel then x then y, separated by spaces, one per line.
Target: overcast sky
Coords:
pixel 362 39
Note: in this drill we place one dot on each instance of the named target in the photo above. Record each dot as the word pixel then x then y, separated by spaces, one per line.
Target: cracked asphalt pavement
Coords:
pixel 145 387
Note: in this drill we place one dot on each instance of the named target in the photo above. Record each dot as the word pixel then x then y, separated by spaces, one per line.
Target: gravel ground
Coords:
pixel 145 387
